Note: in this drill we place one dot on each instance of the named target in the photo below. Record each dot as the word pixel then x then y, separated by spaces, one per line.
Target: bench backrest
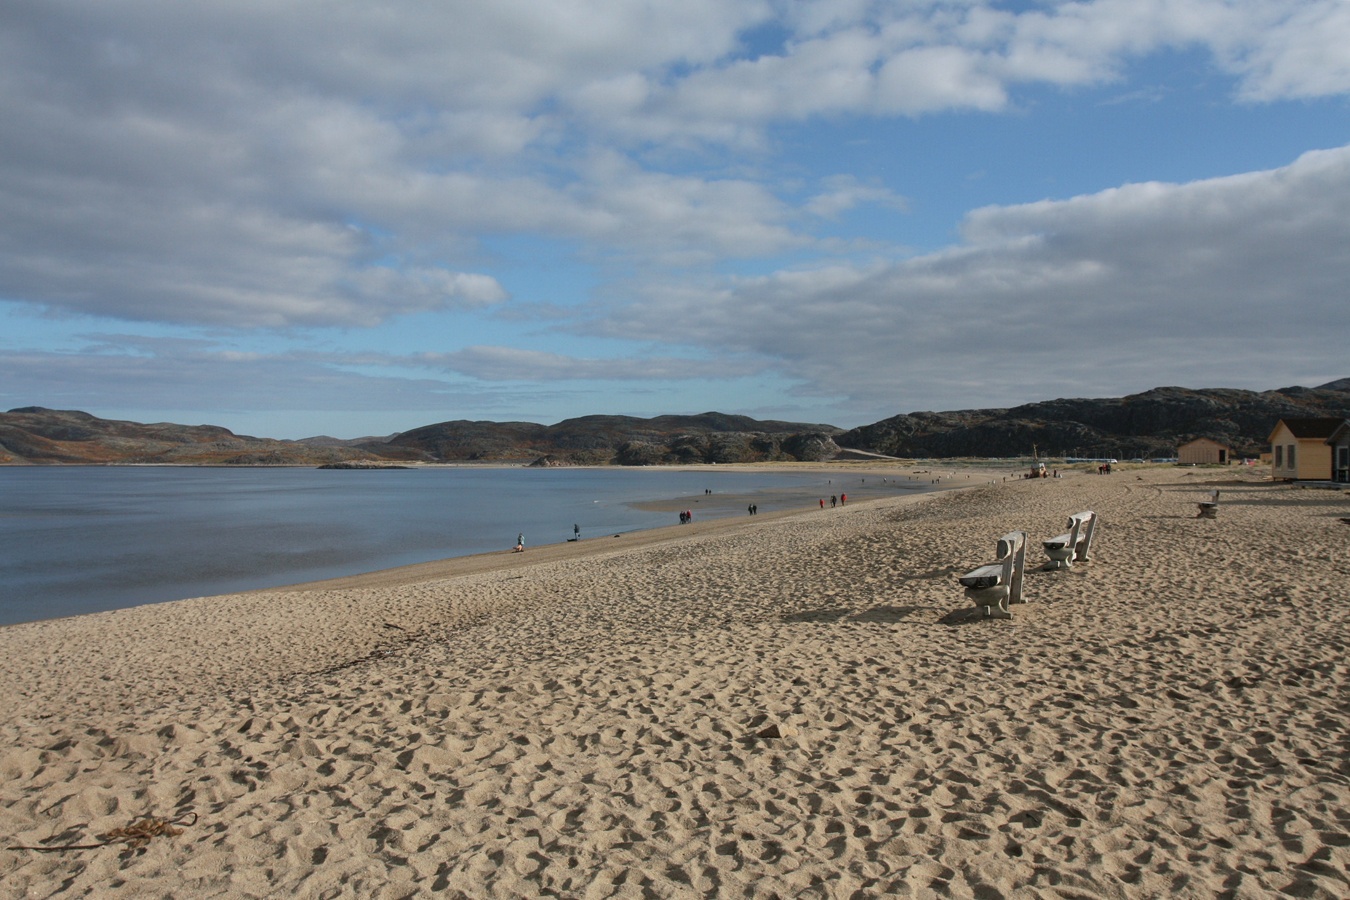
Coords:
pixel 1081 528
pixel 1012 553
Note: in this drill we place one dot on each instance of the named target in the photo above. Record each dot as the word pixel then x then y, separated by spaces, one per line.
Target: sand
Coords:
pixel 762 707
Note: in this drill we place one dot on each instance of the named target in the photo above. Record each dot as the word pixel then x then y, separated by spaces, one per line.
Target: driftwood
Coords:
pixel 135 835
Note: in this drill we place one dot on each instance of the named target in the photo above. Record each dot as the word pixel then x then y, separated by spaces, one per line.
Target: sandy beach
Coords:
pixel 770 706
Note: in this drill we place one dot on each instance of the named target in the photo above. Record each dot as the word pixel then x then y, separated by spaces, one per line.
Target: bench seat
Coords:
pixel 992 587
pixel 983 577
pixel 1066 549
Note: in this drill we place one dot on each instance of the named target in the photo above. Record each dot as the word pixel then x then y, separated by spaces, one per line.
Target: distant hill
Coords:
pixel 1146 425
pixel 35 435
pixel 598 440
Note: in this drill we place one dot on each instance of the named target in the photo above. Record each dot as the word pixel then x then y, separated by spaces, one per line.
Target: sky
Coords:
pixel 356 219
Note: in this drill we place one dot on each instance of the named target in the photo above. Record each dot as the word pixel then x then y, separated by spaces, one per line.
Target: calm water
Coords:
pixel 84 539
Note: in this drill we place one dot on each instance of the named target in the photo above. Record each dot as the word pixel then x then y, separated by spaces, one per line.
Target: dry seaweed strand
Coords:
pixel 135 835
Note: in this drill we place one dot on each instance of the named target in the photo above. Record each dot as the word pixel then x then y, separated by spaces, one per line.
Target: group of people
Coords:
pixel 686 516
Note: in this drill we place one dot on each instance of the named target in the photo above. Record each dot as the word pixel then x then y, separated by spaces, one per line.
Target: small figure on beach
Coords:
pixel 843 498
pixel 576 532
pixel 834 501
pixel 822 502
pixel 520 543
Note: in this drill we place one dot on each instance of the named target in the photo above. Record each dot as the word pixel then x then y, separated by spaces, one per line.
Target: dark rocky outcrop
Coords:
pixel 547 462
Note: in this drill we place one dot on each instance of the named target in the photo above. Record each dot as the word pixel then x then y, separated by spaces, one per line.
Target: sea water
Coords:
pixel 77 539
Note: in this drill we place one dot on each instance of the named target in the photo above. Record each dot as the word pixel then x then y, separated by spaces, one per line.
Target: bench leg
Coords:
pixel 998 610
pixel 980 613
pixel 990 603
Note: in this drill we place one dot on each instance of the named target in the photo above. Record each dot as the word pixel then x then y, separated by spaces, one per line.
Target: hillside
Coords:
pixel 1150 424
pixel 598 440
pixel 34 435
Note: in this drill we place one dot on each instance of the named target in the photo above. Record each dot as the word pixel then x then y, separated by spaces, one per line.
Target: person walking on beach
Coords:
pixel 520 543
pixel 843 498
pixel 576 532
pixel 834 501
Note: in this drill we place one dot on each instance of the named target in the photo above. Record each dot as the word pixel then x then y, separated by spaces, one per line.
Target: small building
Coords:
pixel 1300 451
pixel 1204 452
pixel 1340 453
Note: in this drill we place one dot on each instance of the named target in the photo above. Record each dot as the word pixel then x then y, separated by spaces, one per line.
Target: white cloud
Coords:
pixel 917 58
pixel 121 372
pixel 272 166
pixel 514 364
pixel 844 192
pixel 1096 295
pixel 1306 54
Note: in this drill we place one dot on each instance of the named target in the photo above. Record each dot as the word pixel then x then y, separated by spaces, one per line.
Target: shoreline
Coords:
pixel 452 566
pixel 721 504
pixel 503 560
pixel 754 706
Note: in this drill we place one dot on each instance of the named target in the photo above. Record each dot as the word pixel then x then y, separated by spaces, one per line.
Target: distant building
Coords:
pixel 1204 452
pixel 1300 450
pixel 1339 442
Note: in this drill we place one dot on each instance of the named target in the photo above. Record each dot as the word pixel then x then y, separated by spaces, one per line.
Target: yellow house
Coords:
pixel 1300 450
pixel 1204 452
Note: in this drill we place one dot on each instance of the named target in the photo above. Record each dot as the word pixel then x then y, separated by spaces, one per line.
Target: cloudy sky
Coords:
pixel 357 218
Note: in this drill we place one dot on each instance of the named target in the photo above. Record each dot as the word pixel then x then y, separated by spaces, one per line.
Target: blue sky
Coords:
pixel 323 218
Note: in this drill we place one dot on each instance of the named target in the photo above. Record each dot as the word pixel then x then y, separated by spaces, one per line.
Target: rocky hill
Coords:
pixel 1147 425
pixel 34 435
pixel 599 440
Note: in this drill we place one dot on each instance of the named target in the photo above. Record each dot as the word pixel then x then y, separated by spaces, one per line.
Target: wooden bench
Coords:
pixel 1073 546
pixel 993 587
